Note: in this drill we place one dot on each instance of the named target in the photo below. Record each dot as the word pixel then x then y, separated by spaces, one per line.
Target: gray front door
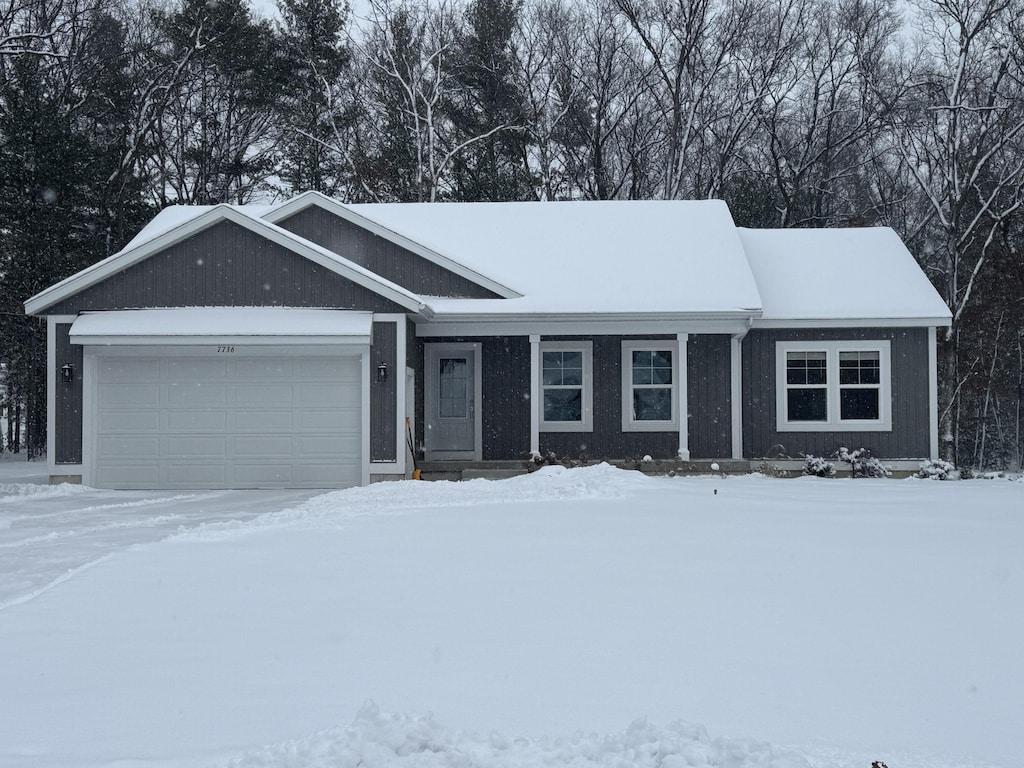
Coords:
pixel 452 390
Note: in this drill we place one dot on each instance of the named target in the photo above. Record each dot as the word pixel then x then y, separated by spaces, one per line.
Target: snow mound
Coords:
pixel 379 739
pixel 16 493
pixel 553 483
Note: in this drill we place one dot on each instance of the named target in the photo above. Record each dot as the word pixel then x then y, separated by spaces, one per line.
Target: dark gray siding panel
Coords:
pixel 384 349
pixel 381 256
pixel 608 441
pixel 505 390
pixel 225 265
pixel 909 437
pixel 68 400
pixel 709 388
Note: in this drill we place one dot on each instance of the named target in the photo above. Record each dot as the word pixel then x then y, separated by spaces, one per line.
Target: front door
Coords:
pixel 451 402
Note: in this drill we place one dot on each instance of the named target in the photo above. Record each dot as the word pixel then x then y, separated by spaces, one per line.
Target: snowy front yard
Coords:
pixel 532 621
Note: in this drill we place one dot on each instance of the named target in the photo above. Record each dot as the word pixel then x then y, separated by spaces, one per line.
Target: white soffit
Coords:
pixel 251 325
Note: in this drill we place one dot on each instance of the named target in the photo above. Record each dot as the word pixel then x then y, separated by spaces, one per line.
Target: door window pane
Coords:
pixel 453 402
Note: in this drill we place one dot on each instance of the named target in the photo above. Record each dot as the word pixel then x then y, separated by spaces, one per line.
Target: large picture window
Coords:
pixel 833 385
pixel 649 386
pixel 566 386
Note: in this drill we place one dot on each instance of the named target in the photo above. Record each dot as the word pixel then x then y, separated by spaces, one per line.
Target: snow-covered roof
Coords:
pixel 839 274
pixel 595 259
pixel 271 324
pixel 599 257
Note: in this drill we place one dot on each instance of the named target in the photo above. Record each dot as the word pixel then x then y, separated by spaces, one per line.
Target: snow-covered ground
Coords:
pixel 589 617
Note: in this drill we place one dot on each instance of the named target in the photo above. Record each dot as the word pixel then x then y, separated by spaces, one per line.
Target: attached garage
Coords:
pixel 225 397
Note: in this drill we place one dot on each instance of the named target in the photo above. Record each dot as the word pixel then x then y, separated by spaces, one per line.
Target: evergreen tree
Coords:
pixel 315 57
pixel 489 105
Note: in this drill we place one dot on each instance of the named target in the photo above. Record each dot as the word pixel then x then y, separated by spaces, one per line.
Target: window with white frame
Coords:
pixel 649 386
pixel 566 386
pixel 833 385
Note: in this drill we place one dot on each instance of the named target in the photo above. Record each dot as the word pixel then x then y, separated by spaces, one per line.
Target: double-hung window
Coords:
pixel 650 380
pixel 566 386
pixel 833 385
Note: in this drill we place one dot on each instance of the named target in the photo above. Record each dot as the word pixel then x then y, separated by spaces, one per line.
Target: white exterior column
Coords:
pixel 535 403
pixel 736 394
pixel 933 393
pixel 684 416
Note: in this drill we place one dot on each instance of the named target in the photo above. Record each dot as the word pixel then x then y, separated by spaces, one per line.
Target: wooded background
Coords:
pixel 798 113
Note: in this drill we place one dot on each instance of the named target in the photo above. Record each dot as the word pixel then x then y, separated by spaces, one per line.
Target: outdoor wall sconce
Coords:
pixel 382 373
pixel 67 373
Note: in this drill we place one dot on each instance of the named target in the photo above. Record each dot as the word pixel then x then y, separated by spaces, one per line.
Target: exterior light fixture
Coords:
pixel 382 373
pixel 67 373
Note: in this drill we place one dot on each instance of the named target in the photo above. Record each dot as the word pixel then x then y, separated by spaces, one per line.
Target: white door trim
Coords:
pixel 430 387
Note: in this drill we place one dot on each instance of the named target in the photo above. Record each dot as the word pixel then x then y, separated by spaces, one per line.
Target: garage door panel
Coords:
pixel 262 394
pixel 131 369
pixel 328 421
pixel 130 395
pixel 130 421
pixel 238 422
pixel 256 475
pixel 196 393
pixel 195 447
pixel 193 475
pixel 205 420
pixel 265 446
pixel 262 421
pixel 127 447
pixel 129 476
pixel 265 368
pixel 181 368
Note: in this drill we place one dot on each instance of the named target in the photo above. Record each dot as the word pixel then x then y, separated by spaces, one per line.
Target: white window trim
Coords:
pixel 833 422
pixel 587 423
pixel 629 424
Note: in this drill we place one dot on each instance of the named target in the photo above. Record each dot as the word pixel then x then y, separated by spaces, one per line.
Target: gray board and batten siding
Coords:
pixel 224 265
pixel 384 394
pixel 506 405
pixel 909 438
pixel 390 261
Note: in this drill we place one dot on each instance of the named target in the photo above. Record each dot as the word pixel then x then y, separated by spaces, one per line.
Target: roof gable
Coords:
pixel 176 227
pixel 351 213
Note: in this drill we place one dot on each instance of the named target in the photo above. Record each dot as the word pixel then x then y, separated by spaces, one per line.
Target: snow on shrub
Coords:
pixel 862 463
pixel 937 469
pixel 819 467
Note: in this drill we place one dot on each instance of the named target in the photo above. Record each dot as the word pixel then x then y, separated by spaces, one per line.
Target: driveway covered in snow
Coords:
pixel 583 617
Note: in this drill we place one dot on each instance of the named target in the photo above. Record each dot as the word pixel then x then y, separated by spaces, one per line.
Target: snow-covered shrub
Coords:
pixel 819 467
pixel 862 463
pixel 937 469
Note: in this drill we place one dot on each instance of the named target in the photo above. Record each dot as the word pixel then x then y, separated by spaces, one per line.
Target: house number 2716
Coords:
pixel 225 349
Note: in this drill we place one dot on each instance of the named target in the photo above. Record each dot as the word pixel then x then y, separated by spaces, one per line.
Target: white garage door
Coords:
pixel 227 421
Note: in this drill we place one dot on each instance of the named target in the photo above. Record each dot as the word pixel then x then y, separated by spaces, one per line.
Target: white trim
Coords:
pixel 631 424
pixel 535 398
pixel 933 394
pixel 736 393
pixel 221 341
pixel 398 466
pixel 682 341
pixel 322 256
pixel 364 460
pixel 594 324
pixel 476 406
pixel 586 423
pixel 312 198
pixel 852 322
pixel 833 422
pixel 52 322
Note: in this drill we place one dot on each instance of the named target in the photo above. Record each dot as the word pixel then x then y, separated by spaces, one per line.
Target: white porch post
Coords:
pixel 535 403
pixel 684 399
pixel 933 394
pixel 736 394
